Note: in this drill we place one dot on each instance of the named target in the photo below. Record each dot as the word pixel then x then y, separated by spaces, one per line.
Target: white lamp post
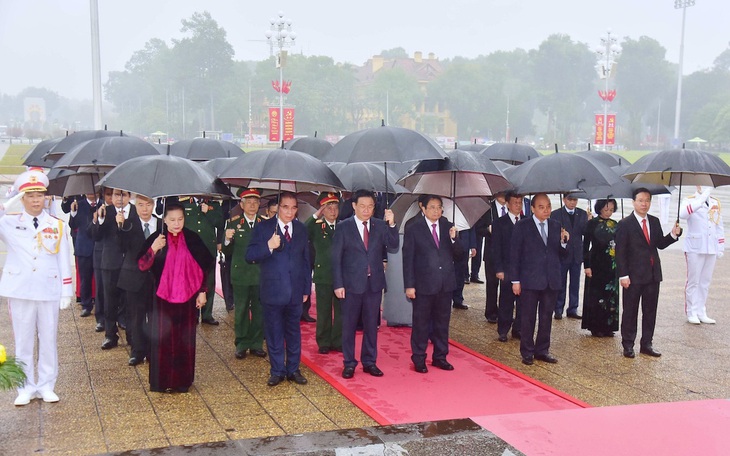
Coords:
pixel 281 35
pixel 607 53
pixel 677 5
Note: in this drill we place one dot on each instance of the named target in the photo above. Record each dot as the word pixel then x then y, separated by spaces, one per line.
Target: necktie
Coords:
pixel 435 235
pixel 646 230
pixel 332 227
pixel 365 234
pixel 250 225
pixel 543 233
pixel 504 211
pixel 286 233
pixel 146 230
pixel 517 218
pixel 35 222
pixel 570 212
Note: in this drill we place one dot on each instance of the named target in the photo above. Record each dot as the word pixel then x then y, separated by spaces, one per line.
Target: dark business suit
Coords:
pixel 84 249
pixel 571 265
pixel 492 282
pixel 430 270
pixel 363 293
pixel 501 252
pixel 639 260
pixel 138 285
pixel 468 241
pixel 286 277
pixel 537 267
pixel 112 257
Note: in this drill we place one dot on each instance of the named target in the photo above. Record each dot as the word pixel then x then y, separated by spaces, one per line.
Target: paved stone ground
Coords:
pixel 106 406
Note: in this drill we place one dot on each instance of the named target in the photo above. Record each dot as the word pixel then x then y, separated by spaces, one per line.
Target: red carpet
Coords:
pixel 695 427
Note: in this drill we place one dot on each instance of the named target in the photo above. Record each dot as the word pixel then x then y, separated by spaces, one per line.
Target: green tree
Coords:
pixel 393 94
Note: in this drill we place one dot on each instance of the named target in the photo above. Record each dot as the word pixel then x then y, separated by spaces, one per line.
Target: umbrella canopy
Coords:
pixel 157 176
pixel 38 155
pixel 468 210
pixel 217 165
pixel 384 145
pixel 680 167
pixel 64 182
pixel 474 147
pixel 461 174
pixel 367 176
pixel 281 169
pixel 316 147
pixel 607 158
pixel 559 173
pixel 204 149
pixel 512 153
pixel 102 154
pixel 74 139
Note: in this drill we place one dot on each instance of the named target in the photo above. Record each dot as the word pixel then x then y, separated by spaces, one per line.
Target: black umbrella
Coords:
pixel 79 137
pixel 64 182
pixel 476 148
pixel 316 147
pixel 512 153
pixel 680 167
pixel 218 165
pixel 607 158
pixel 102 154
pixel 559 173
pixel 157 176
pixel 204 149
pixel 281 169
pixel 367 176
pixel 38 155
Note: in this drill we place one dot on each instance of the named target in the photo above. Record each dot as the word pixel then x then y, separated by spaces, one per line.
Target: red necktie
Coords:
pixel 435 235
pixel 365 234
pixel 286 233
pixel 646 230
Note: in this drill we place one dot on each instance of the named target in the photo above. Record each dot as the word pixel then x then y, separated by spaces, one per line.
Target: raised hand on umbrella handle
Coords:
pixel 677 230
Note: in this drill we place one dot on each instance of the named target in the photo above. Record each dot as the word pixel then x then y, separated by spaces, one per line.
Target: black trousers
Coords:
pixel 648 294
pixel 493 284
pixel 507 315
pixel 139 306
pixel 113 302
pixel 476 260
pixel 430 312
pixel 538 304
pixel 86 277
pixel 353 307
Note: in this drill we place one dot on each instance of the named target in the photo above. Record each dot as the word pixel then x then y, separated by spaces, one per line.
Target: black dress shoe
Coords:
pixel 258 352
pixel 211 321
pixel 460 306
pixel 307 318
pixel 547 357
pixel 323 350
pixel 491 320
pixel 558 316
pixel 297 378
pixel 275 380
pixel 467 281
pixel 442 364
pixel 575 316
pixel 650 351
pixel 372 370
pixel 134 360
pixel 336 349
pixel 629 353
pixel 476 280
pixel 109 343
pixel 528 361
pixel 240 354
pixel 348 372
pixel 99 327
pixel 85 313
pixel 503 338
pixel 421 368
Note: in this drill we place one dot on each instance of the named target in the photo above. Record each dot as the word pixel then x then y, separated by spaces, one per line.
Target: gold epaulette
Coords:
pixel 319 221
pixel 234 218
pixel 183 198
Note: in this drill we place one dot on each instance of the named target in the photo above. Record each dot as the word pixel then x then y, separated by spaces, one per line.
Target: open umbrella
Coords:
pixel 367 176
pixel 680 167
pixel 512 153
pixel 607 158
pixel 217 165
pixel 74 139
pixel 102 154
pixel 204 149
pixel 64 182
pixel 316 147
pixel 38 155
pixel 157 176
pixel 559 173
pixel 467 211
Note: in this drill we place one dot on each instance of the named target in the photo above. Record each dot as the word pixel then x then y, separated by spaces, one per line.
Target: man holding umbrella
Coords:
pixel 573 219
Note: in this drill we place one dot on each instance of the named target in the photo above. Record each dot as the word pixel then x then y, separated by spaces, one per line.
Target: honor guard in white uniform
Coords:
pixel 36 279
pixel 704 243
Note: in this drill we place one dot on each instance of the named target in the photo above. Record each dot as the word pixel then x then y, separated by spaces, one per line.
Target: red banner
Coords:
pixel 274 125
pixel 599 129
pixel 288 124
pixel 611 129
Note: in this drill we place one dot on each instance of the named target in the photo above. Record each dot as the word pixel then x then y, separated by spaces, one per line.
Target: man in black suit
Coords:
pixel 498 209
pixel 358 277
pixel 429 252
pixel 468 241
pixel 82 214
pixel 105 199
pixel 138 285
pixel 501 244
pixel 538 243
pixel 573 219
pixel 638 237
pixel 109 221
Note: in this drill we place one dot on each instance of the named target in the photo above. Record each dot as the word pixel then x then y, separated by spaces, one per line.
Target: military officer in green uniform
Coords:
pixel 321 228
pixel 248 313
pixel 205 217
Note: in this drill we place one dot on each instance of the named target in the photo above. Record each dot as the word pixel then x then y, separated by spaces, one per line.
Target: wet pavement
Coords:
pixel 106 406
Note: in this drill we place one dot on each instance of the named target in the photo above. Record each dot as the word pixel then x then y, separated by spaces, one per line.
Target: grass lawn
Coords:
pixel 12 162
pixel 633 155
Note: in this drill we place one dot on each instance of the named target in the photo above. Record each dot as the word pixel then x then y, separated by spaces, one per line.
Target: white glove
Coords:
pixel 720 254
pixel 65 302
pixel 706 193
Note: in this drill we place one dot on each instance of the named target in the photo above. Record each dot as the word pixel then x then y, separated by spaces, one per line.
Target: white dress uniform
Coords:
pixel 36 278
pixel 704 242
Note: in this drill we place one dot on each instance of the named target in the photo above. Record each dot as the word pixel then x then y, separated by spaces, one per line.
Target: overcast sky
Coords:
pixel 45 43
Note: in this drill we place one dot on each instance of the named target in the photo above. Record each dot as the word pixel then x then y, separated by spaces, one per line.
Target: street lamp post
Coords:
pixel 607 52
pixel 280 34
pixel 684 4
